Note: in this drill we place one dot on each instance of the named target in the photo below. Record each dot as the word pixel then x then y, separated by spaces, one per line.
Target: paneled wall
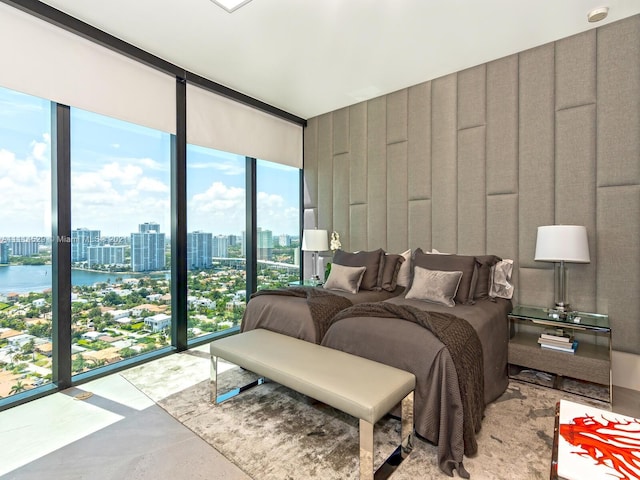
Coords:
pixel 474 162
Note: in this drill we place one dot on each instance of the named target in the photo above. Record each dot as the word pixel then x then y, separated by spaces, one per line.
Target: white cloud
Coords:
pixel 147 184
pixel 124 174
pixel 219 209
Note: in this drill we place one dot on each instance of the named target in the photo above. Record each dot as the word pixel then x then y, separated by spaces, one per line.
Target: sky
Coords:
pixel 120 177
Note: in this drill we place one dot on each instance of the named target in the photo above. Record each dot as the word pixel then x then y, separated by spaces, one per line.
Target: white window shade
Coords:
pixel 217 122
pixel 41 59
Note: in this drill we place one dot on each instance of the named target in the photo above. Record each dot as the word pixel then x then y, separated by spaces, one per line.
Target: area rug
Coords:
pixel 272 432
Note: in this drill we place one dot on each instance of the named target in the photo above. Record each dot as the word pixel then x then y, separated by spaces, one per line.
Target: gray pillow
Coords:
pixel 434 286
pixel 390 269
pixel 452 263
pixel 371 260
pixel 485 262
pixel 346 279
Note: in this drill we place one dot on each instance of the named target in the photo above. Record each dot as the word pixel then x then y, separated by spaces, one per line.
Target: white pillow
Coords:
pixel 434 286
pixel 346 279
pixel 404 274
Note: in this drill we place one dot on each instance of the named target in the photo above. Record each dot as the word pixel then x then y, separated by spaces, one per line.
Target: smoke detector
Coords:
pixel 598 14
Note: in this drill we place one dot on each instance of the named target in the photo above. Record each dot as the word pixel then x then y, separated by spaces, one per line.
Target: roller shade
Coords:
pixel 41 59
pixel 217 122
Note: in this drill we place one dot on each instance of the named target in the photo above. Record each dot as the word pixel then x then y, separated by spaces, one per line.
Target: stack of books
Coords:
pixel 559 340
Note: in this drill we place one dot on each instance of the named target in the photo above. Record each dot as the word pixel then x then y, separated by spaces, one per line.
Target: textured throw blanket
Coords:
pixel 323 305
pixel 464 346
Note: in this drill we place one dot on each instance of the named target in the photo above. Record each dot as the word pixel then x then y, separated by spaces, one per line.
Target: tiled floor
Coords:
pixel 119 432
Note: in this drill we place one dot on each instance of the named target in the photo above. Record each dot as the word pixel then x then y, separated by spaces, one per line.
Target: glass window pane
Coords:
pixel 25 242
pixel 120 249
pixel 216 260
pixel 278 221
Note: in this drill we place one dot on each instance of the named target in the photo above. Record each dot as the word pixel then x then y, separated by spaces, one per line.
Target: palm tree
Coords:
pixel 17 388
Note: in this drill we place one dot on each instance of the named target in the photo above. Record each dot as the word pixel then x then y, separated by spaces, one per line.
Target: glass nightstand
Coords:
pixel 591 361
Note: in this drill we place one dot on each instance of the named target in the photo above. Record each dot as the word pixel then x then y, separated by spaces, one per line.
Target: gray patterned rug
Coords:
pixel 272 432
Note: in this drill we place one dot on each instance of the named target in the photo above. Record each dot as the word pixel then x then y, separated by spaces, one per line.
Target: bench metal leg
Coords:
pixel 366 450
pixel 213 384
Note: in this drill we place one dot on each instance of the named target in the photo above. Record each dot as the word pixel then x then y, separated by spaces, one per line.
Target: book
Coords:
pixel 555 343
pixel 565 339
pixel 568 349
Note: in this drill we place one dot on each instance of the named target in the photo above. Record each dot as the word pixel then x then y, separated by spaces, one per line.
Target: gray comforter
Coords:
pixel 438 410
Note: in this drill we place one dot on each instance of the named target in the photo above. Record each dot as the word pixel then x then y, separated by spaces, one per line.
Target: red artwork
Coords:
pixel 614 443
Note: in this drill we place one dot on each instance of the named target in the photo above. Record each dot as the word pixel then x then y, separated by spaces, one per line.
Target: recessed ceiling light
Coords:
pixel 230 5
pixel 598 14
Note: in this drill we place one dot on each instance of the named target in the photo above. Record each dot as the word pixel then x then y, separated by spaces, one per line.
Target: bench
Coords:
pixel 360 387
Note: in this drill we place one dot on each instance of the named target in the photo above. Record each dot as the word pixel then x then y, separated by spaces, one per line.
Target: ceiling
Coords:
pixel 309 57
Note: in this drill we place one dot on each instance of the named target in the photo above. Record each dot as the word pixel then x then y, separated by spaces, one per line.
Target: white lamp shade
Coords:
pixel 568 243
pixel 315 240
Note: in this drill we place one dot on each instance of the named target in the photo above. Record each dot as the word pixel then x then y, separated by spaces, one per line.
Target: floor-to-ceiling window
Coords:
pixel 120 255
pixel 278 224
pixel 25 242
pixel 216 257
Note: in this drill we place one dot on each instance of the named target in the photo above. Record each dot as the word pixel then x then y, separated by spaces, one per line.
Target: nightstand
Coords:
pixel 591 361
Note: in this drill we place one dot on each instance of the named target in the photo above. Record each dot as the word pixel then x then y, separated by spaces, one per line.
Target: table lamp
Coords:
pixel 560 244
pixel 315 241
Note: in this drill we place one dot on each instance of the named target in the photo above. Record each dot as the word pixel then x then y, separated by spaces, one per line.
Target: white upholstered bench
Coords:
pixel 360 387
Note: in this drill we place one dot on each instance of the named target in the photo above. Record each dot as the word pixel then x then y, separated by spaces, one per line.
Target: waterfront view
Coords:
pixel 120 210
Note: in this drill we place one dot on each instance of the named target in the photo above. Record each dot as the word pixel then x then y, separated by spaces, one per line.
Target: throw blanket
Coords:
pixel 323 305
pixel 464 346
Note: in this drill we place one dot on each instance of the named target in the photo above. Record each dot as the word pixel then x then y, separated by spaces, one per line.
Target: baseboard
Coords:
pixel 626 370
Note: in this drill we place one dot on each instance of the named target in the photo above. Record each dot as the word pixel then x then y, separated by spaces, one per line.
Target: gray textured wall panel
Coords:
pixel 357 237
pixel 341 131
pixel 397 197
pixel 472 97
pixel 536 148
pixel 444 165
pixel 358 143
pixel 619 103
pixel 576 70
pixel 502 126
pixel 472 206
pixel 325 171
pixel 534 288
pixel 341 193
pixel 310 193
pixel 377 173
pixel 618 253
pixel 419 134
pixel 397 116
pixel 576 189
pixel 419 224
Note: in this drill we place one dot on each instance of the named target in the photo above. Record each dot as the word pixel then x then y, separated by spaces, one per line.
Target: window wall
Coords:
pixel 25 242
pixel 92 205
pixel 216 241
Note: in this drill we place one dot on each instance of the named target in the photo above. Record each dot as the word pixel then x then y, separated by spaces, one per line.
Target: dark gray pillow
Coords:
pixel 371 260
pixel 390 269
pixel 451 263
pixel 485 262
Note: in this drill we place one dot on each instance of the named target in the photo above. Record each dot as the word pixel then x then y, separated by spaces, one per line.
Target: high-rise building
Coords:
pixel 105 255
pixel 147 248
pixel 199 250
pixel 81 240
pixel 221 246
pixel 4 253
pixel 284 240
pixel 265 244
pixel 23 247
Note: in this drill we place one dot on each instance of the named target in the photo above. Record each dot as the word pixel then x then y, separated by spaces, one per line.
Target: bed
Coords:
pixel 439 405
pixel 290 310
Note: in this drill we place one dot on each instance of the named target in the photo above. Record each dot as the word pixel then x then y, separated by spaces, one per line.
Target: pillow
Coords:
pixel 392 264
pixel 451 263
pixel 485 262
pixel 501 285
pixel 404 274
pixel 346 279
pixel 434 286
pixel 370 260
